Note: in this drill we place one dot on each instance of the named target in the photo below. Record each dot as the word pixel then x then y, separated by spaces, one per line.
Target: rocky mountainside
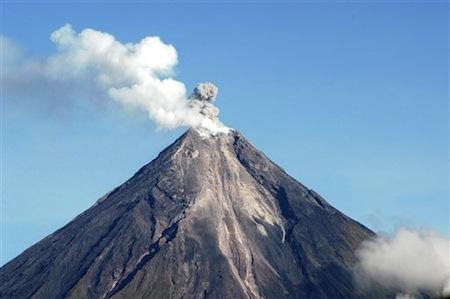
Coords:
pixel 208 218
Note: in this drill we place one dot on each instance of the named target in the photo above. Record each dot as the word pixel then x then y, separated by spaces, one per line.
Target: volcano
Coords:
pixel 208 218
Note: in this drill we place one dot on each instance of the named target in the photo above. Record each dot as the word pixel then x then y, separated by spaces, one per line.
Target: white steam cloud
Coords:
pixel 135 75
pixel 409 261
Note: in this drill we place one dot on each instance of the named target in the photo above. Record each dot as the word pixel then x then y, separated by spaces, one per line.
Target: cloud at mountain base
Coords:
pixel 409 261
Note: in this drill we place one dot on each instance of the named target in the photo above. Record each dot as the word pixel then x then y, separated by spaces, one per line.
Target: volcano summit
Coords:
pixel 208 218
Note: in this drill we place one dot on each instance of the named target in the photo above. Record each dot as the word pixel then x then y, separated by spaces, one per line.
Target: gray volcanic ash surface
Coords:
pixel 208 218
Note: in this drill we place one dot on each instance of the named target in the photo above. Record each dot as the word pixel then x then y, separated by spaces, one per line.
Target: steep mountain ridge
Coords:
pixel 208 218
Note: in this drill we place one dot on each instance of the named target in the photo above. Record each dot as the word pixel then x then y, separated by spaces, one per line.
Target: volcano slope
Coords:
pixel 208 218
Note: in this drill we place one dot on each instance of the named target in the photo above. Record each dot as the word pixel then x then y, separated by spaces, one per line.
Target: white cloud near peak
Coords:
pixel 136 75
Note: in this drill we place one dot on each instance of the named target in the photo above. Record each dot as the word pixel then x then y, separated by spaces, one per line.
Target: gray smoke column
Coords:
pixel 201 101
pixel 206 92
pixel 136 75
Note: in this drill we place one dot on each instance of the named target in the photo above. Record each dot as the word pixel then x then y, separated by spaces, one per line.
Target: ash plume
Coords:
pixel 201 101
pixel 137 75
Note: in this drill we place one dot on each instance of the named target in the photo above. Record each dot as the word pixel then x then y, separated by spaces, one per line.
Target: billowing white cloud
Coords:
pixel 133 74
pixel 409 261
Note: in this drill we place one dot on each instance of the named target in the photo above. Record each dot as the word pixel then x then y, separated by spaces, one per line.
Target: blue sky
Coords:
pixel 351 99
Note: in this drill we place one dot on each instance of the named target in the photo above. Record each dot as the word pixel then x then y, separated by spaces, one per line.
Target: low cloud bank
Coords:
pixel 409 261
